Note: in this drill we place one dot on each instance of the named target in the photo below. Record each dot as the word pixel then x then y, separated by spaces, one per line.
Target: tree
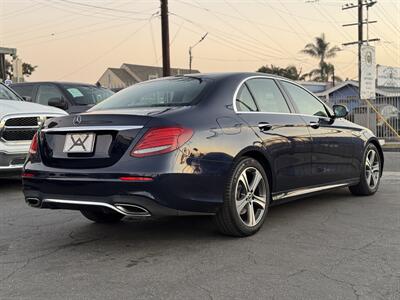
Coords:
pixel 27 69
pixel 324 73
pixel 321 49
pixel 290 72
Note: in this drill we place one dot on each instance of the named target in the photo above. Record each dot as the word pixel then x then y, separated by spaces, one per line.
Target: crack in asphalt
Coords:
pixel 56 249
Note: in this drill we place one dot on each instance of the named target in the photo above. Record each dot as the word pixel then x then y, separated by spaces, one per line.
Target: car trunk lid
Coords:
pixel 89 140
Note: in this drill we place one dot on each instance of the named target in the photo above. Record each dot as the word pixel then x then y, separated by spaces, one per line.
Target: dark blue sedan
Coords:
pixel 229 145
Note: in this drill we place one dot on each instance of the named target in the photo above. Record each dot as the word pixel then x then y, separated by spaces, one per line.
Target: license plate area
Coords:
pixel 79 143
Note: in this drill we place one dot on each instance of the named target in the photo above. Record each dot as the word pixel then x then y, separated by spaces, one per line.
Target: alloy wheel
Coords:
pixel 250 196
pixel 372 168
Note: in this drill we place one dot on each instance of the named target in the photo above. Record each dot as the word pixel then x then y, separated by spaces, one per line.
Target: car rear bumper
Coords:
pixel 11 163
pixel 165 195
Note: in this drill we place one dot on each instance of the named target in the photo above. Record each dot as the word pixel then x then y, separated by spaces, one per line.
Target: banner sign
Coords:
pixel 368 72
pixel 388 76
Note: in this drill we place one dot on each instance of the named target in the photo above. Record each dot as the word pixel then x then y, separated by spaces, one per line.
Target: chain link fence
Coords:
pixel 381 115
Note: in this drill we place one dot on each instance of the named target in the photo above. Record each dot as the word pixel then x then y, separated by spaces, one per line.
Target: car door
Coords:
pixel 285 138
pixel 332 141
pixel 25 90
pixel 48 92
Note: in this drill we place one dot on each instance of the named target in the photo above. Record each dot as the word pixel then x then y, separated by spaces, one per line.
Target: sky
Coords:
pixel 74 40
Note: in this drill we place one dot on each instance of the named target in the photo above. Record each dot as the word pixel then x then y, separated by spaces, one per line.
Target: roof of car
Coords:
pixel 222 75
pixel 53 82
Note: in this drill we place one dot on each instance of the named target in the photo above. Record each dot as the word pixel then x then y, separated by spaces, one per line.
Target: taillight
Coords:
pixel 135 178
pixel 34 144
pixel 161 140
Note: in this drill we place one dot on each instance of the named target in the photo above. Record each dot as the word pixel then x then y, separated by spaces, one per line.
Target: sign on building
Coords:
pixel 388 76
pixel 368 72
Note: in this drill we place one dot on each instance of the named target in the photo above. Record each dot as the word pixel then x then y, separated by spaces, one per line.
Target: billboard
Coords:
pixel 388 76
pixel 368 72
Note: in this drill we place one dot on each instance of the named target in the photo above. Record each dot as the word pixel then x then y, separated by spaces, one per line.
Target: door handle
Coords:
pixel 264 126
pixel 314 125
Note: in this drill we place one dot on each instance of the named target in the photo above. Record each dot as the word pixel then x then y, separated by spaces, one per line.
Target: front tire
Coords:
pixel 246 199
pixel 370 173
pixel 102 216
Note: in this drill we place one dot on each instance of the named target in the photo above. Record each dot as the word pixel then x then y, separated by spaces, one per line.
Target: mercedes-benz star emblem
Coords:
pixel 77 120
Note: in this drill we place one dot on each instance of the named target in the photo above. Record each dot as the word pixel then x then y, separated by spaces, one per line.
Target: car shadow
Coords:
pixel 196 228
pixel 189 228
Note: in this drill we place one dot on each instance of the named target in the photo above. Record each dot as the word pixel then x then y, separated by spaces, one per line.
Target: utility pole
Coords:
pixel 190 52
pixel 360 24
pixel 361 41
pixel 165 38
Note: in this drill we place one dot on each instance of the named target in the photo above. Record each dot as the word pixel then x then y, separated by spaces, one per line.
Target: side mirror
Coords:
pixel 27 98
pixel 340 111
pixel 58 102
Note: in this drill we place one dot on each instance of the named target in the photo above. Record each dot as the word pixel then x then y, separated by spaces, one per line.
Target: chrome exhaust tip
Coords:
pixel 34 202
pixel 133 210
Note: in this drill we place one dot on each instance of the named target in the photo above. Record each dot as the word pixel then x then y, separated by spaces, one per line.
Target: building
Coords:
pixel 315 86
pixel 129 74
pixel 349 90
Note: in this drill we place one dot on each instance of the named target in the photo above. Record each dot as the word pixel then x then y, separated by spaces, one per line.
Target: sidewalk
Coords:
pixel 391 146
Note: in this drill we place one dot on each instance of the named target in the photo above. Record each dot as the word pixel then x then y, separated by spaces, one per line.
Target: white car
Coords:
pixel 19 120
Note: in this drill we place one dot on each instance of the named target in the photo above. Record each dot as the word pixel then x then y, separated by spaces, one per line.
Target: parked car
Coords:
pixel 71 97
pixel 229 145
pixel 19 120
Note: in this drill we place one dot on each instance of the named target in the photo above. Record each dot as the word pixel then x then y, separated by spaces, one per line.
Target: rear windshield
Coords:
pixel 86 94
pixel 7 94
pixel 178 91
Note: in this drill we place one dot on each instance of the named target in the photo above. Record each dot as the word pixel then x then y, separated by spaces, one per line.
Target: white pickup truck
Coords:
pixel 19 120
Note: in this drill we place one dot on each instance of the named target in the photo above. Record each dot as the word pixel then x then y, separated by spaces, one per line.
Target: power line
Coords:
pixel 17 12
pixel 153 41
pixel 229 39
pixel 235 28
pixel 121 42
pixel 238 46
pixel 97 14
pixel 229 36
pixel 68 20
pixel 104 8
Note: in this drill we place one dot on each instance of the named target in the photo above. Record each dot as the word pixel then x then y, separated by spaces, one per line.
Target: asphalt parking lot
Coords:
pixel 331 246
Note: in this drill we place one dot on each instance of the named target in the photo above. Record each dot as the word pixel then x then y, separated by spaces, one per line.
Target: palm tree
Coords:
pixel 321 50
pixel 324 73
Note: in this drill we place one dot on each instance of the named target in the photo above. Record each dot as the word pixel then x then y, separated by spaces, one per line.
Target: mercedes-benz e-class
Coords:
pixel 230 145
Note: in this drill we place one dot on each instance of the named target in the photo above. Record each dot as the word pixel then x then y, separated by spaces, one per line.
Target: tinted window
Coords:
pixel 47 92
pixel 267 95
pixel 7 94
pixel 306 103
pixel 23 90
pixel 86 94
pixel 179 91
pixel 244 100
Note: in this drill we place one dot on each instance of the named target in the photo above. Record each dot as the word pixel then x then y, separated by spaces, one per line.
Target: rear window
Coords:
pixel 179 91
pixel 86 94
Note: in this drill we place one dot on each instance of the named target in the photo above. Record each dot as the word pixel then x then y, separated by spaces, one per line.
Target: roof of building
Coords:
pixel 380 90
pixel 145 72
pixel 123 75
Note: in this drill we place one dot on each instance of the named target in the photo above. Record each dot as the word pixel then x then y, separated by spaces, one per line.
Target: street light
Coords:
pixel 190 51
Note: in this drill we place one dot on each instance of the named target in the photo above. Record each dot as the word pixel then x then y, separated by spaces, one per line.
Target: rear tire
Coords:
pixel 370 173
pixel 102 216
pixel 246 199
